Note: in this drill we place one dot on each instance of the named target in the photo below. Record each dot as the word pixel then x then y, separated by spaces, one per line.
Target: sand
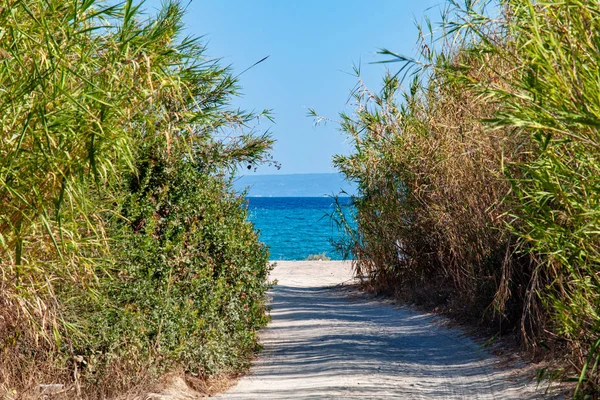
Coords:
pixel 326 340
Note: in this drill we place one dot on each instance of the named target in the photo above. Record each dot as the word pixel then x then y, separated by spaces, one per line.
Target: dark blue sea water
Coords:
pixel 296 227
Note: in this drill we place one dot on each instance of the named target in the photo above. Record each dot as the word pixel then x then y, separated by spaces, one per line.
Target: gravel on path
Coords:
pixel 326 340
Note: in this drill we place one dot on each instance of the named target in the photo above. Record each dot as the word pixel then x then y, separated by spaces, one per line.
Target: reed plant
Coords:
pixel 124 251
pixel 478 183
pixel 551 103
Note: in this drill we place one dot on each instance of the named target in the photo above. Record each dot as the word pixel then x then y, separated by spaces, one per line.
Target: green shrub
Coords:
pixel 187 285
pixel 124 251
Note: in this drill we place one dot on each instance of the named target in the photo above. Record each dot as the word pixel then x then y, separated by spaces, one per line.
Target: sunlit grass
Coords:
pixel 116 143
pixel 480 180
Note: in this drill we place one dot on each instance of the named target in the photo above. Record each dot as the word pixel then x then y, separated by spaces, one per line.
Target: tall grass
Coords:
pixel 479 183
pixel 552 102
pixel 124 251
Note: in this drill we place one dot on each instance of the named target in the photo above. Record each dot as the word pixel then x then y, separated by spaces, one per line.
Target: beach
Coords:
pixel 329 340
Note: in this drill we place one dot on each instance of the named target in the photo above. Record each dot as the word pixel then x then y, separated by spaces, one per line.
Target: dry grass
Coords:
pixel 179 385
pixel 434 202
pixel 478 183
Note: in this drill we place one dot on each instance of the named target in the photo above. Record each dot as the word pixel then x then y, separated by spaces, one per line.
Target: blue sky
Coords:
pixel 312 46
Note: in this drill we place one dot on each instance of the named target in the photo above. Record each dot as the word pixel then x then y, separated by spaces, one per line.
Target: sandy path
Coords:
pixel 325 341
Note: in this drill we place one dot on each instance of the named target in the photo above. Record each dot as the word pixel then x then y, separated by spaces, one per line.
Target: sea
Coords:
pixel 295 228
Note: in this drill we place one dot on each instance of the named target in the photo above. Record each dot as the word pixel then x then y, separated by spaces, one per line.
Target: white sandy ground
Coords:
pixel 324 341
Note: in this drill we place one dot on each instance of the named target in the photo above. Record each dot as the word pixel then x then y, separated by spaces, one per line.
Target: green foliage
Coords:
pixel 318 257
pixel 551 102
pixel 124 251
pixel 191 276
pixel 480 186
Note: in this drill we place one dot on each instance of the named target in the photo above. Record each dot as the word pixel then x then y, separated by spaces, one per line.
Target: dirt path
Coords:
pixel 325 341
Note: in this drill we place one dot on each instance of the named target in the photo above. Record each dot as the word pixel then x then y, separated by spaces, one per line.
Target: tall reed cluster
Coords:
pixel 124 251
pixel 479 184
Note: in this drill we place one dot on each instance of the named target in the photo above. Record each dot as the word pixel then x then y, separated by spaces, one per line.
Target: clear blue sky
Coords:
pixel 312 46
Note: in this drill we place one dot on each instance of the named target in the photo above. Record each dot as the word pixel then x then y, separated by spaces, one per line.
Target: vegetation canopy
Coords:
pixel 479 183
pixel 124 251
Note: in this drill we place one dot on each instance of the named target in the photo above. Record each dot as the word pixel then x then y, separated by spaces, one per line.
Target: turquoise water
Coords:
pixel 296 227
